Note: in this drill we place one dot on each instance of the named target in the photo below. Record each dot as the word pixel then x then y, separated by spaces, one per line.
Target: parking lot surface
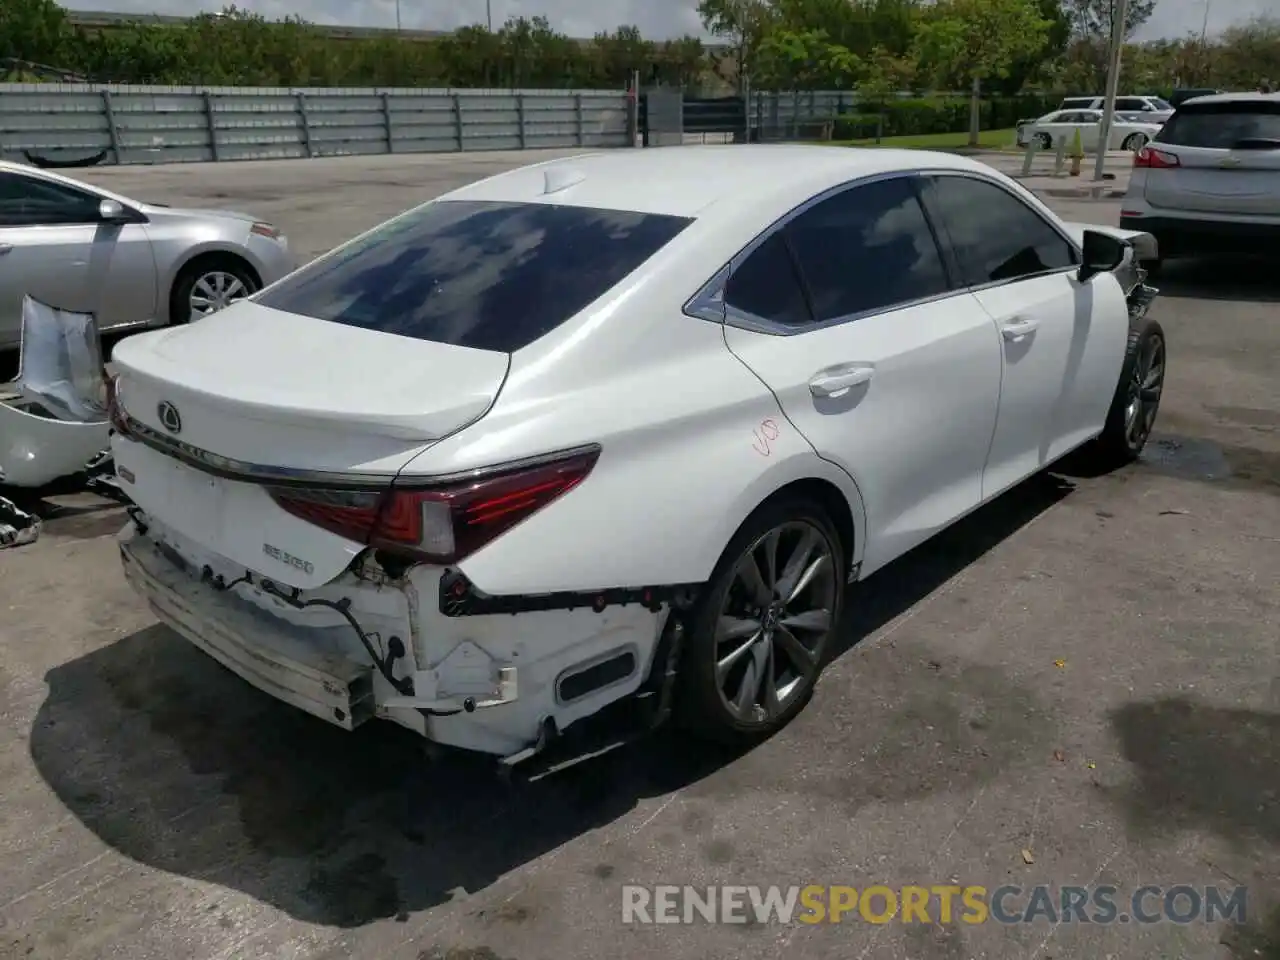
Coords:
pixel 1078 685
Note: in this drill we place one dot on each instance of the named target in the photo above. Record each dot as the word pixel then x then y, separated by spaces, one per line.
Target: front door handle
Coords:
pixel 5 248
pixel 1019 327
pixel 837 381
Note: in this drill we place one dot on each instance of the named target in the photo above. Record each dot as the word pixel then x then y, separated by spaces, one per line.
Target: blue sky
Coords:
pixel 655 18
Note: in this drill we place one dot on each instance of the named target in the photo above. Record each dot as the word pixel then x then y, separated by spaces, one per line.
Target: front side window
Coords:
pixel 866 249
pixel 32 201
pixel 488 275
pixel 997 237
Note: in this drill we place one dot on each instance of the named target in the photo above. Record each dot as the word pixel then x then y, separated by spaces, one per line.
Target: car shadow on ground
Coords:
pixel 177 764
pixel 1220 278
pixel 1199 767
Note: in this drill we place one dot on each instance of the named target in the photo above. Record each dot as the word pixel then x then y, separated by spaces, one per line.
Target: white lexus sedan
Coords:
pixel 602 441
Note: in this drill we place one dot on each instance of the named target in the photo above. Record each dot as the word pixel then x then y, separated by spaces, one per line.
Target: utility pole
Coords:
pixel 1120 12
pixel 397 16
pixel 488 14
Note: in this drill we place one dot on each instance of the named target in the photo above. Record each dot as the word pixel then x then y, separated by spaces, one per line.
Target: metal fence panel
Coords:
pixel 137 124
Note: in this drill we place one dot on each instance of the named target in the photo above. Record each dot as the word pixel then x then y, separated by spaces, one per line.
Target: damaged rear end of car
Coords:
pixel 280 527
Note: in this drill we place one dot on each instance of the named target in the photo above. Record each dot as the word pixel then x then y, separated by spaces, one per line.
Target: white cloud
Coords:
pixel 657 19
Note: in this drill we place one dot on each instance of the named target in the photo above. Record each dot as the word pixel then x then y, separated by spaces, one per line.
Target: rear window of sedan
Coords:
pixel 1224 125
pixel 482 274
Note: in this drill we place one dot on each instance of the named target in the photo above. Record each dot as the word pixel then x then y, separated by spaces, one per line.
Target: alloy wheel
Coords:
pixel 773 625
pixel 1145 387
pixel 215 290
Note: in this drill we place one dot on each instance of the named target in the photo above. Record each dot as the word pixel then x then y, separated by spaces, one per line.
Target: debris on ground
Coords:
pixel 1027 857
pixel 54 426
pixel 17 527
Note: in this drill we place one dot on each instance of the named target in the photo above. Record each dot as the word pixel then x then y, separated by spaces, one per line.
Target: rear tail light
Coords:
pixel 115 409
pixel 442 523
pixel 1153 159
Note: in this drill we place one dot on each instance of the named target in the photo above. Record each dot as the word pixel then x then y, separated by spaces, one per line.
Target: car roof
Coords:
pixel 686 181
pixel 1249 96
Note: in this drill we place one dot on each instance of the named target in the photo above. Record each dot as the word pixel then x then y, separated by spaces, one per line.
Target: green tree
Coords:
pixel 34 30
pixel 1092 22
pixel 979 40
pixel 804 60
pixel 745 23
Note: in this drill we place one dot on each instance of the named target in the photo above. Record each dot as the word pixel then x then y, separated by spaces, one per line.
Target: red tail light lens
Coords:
pixel 115 409
pixel 1154 159
pixel 442 523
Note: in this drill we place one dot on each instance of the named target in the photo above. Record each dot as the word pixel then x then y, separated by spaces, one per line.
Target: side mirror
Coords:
pixel 1102 254
pixel 112 211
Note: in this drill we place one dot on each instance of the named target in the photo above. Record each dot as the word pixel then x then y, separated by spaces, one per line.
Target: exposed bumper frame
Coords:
pixel 333 688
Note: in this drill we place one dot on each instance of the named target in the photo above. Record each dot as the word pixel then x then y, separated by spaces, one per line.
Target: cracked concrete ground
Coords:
pixel 1086 670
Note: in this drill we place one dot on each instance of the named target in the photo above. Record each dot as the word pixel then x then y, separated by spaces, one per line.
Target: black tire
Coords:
pixel 180 307
pixel 1045 141
pixel 1122 440
pixel 1134 142
pixel 701 709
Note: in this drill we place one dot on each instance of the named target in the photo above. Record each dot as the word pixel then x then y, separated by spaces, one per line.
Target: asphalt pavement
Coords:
pixel 1077 686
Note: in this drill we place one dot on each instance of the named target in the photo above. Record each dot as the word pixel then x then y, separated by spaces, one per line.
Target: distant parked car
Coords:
pixel 1157 109
pixel 1210 180
pixel 1129 131
pixel 132 264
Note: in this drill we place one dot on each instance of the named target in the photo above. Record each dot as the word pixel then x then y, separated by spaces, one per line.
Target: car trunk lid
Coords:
pixel 253 397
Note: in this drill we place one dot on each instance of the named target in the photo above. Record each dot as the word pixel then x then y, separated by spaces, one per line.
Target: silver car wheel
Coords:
pixel 774 622
pixel 215 290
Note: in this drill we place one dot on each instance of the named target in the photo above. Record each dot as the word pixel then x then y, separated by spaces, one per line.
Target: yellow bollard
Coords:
pixel 1077 153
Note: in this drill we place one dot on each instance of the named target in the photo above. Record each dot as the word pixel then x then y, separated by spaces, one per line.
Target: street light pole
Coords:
pixel 488 14
pixel 1119 14
pixel 397 16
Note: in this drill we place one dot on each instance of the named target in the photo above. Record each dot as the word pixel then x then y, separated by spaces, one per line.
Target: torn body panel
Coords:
pixel 53 419
pixel 36 450
pixel 371 644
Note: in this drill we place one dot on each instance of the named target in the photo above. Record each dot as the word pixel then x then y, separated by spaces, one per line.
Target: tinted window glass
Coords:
pixel 1131 103
pixel 765 284
pixel 1074 103
pixel 488 275
pixel 1223 125
pixel 865 249
pixel 996 236
pixel 29 200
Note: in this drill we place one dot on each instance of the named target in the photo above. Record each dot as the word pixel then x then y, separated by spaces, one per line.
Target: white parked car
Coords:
pixel 1128 131
pixel 1154 108
pixel 606 438
pixel 1210 180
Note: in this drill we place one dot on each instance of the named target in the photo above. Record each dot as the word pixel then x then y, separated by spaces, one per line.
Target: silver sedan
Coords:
pixel 131 264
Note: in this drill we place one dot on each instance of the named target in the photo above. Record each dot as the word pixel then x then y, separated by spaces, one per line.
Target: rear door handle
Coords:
pixel 836 381
pixel 1019 327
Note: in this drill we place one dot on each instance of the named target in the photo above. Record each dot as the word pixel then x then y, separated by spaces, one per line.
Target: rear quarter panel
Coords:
pixel 691 446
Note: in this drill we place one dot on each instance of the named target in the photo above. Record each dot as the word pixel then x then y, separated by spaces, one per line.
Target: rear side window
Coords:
pixel 1132 103
pixel 867 248
pixel 1076 103
pixel 765 285
pixel 1224 125
pixel 997 237
pixel 481 274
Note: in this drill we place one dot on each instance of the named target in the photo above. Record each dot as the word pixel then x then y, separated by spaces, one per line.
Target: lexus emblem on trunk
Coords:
pixel 169 417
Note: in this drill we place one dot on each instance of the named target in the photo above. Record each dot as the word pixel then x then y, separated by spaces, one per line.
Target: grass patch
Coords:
pixel 987 139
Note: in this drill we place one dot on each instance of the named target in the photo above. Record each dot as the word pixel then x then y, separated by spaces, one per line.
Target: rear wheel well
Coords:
pixel 828 496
